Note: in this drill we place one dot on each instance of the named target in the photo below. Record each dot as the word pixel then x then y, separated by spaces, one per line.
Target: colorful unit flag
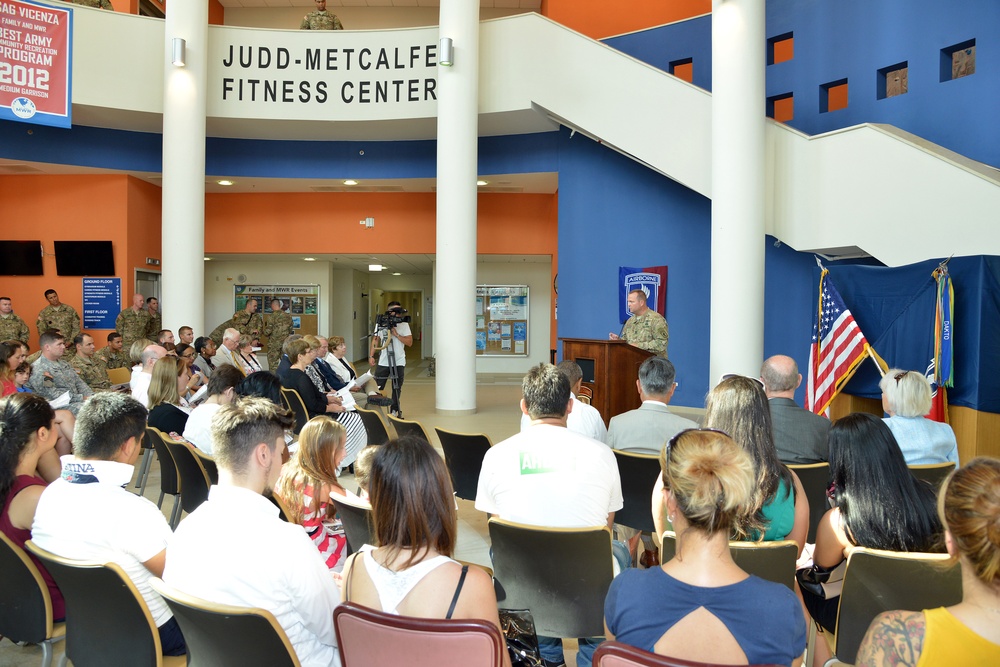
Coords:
pixel 942 372
pixel 652 280
pixel 838 346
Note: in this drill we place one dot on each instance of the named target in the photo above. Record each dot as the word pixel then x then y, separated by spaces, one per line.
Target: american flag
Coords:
pixel 838 346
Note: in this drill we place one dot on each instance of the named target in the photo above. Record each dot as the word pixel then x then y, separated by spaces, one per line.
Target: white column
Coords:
pixel 738 122
pixel 183 231
pixel 457 154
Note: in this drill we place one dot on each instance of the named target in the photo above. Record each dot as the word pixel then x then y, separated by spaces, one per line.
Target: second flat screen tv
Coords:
pixel 84 258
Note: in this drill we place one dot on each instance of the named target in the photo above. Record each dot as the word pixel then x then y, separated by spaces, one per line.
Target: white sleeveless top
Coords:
pixel 393 586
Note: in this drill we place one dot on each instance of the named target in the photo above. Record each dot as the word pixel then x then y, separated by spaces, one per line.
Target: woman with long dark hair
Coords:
pixel 877 503
pixel 410 570
pixel 28 433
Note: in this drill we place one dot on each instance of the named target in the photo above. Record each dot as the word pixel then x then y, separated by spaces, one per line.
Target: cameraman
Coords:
pixel 400 338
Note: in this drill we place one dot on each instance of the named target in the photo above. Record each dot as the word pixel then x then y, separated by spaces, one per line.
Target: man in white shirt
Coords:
pixel 581 418
pixel 221 391
pixel 550 476
pixel 88 515
pixel 235 550
pixel 139 383
pixel 399 338
pixel 226 354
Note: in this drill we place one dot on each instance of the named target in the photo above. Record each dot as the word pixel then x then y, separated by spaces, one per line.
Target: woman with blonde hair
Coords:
pixel 307 481
pixel 906 398
pixel 967 633
pixel 171 379
pixel 410 570
pixel 700 605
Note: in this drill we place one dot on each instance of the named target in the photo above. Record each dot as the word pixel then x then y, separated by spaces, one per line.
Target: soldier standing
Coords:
pixel 646 329
pixel 91 370
pixel 277 329
pixel 155 318
pixel 320 19
pixel 12 327
pixel 133 322
pixel 60 317
pixel 113 356
pixel 248 321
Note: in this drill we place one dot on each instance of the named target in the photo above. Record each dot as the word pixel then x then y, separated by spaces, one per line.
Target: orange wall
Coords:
pixel 598 19
pixel 63 208
pixel 143 233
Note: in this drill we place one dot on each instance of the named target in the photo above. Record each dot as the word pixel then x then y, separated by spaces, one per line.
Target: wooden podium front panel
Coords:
pixel 616 369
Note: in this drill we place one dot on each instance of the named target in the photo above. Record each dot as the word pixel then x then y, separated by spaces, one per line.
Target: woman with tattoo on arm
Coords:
pixel 969 632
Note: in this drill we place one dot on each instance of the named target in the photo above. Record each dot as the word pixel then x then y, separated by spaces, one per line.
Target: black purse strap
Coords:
pixel 458 590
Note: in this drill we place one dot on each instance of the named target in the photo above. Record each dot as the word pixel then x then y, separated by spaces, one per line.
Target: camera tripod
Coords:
pixel 393 376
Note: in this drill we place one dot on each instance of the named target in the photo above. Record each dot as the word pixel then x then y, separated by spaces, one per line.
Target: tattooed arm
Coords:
pixel 894 639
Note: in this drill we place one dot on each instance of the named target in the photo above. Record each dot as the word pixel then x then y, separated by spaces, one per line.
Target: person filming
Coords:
pixel 392 336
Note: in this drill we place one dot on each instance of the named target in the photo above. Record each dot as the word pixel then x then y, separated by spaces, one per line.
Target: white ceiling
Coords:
pixel 504 4
pixel 418 264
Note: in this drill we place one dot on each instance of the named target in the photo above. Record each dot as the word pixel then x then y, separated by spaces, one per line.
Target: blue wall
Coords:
pixel 853 39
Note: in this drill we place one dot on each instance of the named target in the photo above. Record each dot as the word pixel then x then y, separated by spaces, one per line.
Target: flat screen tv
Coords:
pixel 85 258
pixel 21 258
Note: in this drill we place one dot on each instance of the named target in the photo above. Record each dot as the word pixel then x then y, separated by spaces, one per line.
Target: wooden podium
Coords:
pixel 610 369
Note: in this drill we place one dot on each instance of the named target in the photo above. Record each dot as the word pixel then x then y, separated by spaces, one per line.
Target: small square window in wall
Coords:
pixel 833 96
pixel 683 69
pixel 892 80
pixel 781 107
pixel 958 60
pixel 780 49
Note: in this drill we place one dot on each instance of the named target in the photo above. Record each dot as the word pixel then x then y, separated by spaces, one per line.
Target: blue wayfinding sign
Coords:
pixel 102 301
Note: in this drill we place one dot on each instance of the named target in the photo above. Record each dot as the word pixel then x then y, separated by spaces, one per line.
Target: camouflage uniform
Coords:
pixel 317 20
pixel 13 327
pixel 111 359
pixel 648 332
pixel 245 323
pixel 96 4
pixel 132 326
pixel 277 329
pixel 219 331
pixel 63 318
pixel 51 379
pixel 155 325
pixel 92 371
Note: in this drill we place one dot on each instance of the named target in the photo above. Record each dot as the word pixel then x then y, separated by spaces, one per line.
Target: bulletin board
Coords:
pixel 299 301
pixel 502 320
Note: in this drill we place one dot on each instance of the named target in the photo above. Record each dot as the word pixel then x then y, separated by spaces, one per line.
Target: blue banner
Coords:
pixel 102 301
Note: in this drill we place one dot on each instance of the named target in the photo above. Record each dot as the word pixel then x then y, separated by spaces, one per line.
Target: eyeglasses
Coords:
pixel 899 376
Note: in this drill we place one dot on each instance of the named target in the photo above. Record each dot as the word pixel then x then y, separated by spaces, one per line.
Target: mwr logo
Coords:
pixel 649 283
pixel 22 107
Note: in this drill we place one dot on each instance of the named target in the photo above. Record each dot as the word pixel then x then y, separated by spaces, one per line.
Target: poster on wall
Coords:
pixel 102 301
pixel 35 63
pixel 299 301
pixel 502 320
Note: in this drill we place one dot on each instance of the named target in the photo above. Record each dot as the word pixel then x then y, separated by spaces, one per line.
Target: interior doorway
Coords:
pixel 412 301
pixel 147 283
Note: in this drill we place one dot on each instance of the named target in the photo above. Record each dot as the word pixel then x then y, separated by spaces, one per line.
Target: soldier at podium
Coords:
pixel 646 329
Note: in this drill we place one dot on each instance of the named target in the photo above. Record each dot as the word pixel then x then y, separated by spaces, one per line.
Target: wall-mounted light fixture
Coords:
pixel 178 51
pixel 446 52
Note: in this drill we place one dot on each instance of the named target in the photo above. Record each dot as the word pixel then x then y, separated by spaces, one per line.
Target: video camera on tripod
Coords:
pixel 391 318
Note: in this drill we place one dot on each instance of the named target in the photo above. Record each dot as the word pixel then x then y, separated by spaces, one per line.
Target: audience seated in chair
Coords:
pixel 700 605
pixel 221 391
pixel 170 381
pixel 235 550
pixel 27 433
pixel 967 633
pixel 88 515
pixel 308 480
pixel 410 571
pixel 580 417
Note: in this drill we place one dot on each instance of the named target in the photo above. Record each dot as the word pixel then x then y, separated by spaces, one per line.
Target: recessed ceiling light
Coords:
pixel 482 182
pixel 397 273
pixel 374 267
pixel 350 181
pixel 224 182
pixel 309 259
pixel 208 259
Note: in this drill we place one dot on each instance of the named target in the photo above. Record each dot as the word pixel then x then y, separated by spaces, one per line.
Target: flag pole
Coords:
pixel 871 355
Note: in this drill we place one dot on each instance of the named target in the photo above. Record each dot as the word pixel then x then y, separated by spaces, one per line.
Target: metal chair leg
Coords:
pixel 159 503
pixel 140 481
pixel 175 515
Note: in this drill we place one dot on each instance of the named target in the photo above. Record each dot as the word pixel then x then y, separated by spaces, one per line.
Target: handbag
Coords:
pixel 518 628
pixel 822 582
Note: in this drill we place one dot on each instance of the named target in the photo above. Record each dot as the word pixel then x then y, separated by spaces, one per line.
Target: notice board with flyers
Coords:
pixel 502 320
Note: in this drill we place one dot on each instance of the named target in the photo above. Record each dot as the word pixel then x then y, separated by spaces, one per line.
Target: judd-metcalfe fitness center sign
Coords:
pixel 322 74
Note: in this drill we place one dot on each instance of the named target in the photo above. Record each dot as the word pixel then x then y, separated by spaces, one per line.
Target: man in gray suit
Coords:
pixel 647 429
pixel 799 435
